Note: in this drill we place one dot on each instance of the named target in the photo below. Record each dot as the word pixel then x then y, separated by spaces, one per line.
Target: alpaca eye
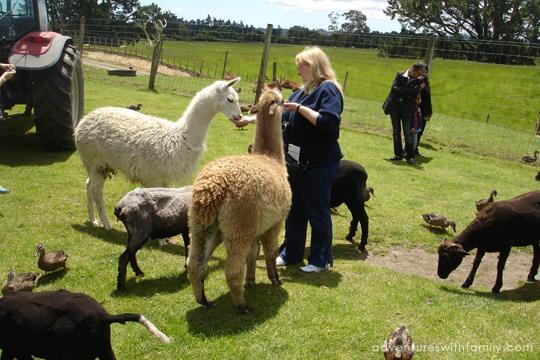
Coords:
pixel 230 100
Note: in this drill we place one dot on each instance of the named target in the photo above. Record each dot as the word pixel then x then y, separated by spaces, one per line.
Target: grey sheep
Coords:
pixel 151 213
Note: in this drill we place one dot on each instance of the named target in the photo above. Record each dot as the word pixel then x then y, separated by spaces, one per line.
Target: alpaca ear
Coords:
pixel 233 82
pixel 254 109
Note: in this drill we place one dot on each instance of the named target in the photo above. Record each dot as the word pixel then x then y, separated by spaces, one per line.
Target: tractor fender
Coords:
pixel 38 50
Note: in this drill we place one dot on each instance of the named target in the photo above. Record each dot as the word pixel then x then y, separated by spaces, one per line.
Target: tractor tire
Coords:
pixel 59 101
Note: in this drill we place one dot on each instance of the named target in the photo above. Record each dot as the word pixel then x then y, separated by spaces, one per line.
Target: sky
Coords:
pixel 312 14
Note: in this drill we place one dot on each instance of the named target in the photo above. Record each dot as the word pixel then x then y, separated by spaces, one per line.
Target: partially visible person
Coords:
pixel 399 104
pixel 425 109
pixel 8 72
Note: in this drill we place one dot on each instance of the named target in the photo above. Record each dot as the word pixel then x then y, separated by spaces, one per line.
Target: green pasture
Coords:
pixel 501 94
pixel 342 314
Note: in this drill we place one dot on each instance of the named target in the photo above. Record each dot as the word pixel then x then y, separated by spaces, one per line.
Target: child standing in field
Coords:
pixel 416 125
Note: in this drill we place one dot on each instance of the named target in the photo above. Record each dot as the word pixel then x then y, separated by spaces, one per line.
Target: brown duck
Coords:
pixel 481 203
pixel 399 345
pixel 530 159
pixel 20 282
pixel 439 220
pixel 51 260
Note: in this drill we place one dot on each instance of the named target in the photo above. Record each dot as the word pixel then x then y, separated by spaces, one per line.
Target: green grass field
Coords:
pixel 343 314
pixel 509 95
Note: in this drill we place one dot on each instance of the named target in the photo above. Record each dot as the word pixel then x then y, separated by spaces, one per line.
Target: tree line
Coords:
pixel 506 32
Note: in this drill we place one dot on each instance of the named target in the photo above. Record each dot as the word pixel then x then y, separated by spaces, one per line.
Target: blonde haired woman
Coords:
pixel 311 120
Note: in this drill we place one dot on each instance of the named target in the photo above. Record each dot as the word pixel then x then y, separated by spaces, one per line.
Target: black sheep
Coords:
pixel 60 325
pixel 349 187
pixel 497 227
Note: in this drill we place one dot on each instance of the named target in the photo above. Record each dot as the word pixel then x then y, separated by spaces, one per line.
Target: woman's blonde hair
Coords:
pixel 319 65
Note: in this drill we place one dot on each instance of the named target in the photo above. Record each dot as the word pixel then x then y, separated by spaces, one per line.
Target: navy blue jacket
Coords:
pixel 402 93
pixel 318 144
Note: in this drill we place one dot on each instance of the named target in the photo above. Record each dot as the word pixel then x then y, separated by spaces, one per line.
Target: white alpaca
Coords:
pixel 148 150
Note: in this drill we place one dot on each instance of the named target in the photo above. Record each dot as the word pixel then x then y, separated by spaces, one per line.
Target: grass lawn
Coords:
pixel 346 313
pixel 509 95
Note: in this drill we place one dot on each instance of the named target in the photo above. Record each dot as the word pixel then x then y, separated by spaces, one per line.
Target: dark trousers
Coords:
pixel 310 203
pixel 424 123
pixel 402 117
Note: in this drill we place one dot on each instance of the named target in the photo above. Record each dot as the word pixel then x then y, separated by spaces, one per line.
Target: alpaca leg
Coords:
pixel 503 255
pixel 535 262
pixel 185 237
pixel 476 263
pixel 122 269
pixel 269 243
pixel 198 258
pixel 251 262
pixel 235 269
pixel 90 201
pixel 97 193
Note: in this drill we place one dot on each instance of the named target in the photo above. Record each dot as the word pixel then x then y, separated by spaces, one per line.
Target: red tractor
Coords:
pixel 49 75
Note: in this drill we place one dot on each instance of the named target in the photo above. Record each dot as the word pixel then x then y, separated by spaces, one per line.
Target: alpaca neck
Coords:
pixel 268 139
pixel 193 126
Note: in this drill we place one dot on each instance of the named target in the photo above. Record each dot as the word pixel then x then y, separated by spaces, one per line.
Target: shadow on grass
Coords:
pixel 264 301
pixel 348 251
pixel 292 273
pixel 435 230
pixel 428 146
pixel 112 236
pixel 148 287
pixel 168 284
pixel 528 292
pixel 406 164
pixel 21 148
pixel 120 238
pixel 51 277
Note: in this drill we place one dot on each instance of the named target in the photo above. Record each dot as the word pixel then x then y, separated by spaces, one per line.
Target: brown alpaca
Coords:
pixel 241 201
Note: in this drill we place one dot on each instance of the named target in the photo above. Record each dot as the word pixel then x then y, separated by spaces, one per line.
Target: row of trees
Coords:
pixel 464 28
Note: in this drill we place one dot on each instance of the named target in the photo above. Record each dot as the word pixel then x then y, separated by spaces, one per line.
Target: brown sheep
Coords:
pixel 241 200
pixel 499 226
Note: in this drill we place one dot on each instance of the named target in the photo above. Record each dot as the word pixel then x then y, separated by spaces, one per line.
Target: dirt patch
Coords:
pixel 140 65
pixel 419 262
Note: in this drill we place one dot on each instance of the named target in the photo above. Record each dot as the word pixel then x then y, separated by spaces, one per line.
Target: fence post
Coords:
pixel 81 37
pixel 200 69
pixel 224 64
pixel 430 50
pixel 264 62
pixel 345 81
pixel 538 125
pixel 274 71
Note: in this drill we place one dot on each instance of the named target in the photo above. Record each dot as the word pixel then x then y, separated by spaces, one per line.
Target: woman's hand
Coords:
pixel 290 106
pixel 7 67
pixel 244 121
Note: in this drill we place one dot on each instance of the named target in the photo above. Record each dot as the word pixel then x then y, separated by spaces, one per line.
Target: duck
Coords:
pixel 135 107
pixel 51 260
pixel 530 159
pixel 439 220
pixel 399 345
pixel 20 282
pixel 481 203
pixel 245 108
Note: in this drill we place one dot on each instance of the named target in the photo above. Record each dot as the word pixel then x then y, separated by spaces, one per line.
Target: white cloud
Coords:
pixel 373 9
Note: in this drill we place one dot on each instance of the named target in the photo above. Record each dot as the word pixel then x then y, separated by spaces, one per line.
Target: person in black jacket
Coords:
pixel 399 104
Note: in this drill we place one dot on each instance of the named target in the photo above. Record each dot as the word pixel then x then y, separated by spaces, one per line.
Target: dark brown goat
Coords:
pixel 60 325
pixel 499 226
pixel 289 84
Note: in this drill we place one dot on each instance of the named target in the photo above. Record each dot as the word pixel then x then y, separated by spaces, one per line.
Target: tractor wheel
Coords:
pixel 59 101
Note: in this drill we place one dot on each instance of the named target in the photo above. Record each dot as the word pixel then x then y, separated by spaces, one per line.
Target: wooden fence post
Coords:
pixel 345 81
pixel 81 36
pixel 224 64
pixel 264 62
pixel 430 50
pixel 274 71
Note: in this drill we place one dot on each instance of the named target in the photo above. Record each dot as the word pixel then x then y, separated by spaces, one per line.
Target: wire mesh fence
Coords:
pixel 495 83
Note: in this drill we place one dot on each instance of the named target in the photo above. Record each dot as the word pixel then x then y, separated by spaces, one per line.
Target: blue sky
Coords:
pixel 285 13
